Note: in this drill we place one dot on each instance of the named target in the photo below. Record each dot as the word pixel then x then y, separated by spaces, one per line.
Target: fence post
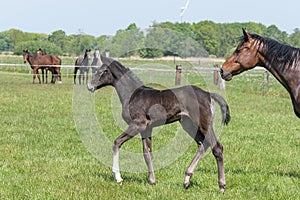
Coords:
pixel 266 82
pixel 178 75
pixel 216 74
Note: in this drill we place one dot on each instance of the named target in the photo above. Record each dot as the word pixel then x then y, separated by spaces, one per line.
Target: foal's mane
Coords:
pixel 127 71
pixel 277 53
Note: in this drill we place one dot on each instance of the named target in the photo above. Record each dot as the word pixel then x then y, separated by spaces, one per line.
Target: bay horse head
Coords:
pixel 25 55
pixel 245 57
pixel 40 52
pixel 103 75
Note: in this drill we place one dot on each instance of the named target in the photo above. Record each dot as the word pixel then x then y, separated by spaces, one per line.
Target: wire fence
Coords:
pixel 180 75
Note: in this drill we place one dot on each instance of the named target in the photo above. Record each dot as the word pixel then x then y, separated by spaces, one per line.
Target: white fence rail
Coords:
pixel 178 72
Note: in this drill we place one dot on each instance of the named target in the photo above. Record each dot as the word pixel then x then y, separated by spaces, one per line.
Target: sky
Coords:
pixel 105 17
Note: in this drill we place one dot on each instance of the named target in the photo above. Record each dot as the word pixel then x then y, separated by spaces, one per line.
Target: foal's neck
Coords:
pixel 126 83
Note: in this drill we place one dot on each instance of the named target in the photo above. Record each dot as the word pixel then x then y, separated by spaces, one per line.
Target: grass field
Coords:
pixel 42 155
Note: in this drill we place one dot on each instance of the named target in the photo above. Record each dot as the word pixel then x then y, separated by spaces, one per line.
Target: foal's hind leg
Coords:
pixel 147 149
pixel 217 150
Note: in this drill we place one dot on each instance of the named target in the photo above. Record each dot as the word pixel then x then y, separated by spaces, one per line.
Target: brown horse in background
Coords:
pixel 43 61
pixel 40 52
pixel 282 60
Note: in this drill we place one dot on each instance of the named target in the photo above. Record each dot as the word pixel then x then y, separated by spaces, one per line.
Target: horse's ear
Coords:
pixel 106 60
pixel 247 35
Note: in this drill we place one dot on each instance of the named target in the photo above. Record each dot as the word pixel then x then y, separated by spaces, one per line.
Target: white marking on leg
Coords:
pixel 116 169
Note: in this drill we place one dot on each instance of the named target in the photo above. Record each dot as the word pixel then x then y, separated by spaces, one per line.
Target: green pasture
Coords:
pixel 43 156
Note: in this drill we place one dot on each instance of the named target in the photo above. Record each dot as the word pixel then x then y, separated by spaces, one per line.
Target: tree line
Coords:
pixel 205 38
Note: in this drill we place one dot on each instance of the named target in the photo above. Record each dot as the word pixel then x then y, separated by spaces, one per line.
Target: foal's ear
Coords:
pixel 247 35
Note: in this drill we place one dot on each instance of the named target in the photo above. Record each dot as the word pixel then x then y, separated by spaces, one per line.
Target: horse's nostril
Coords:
pixel 221 71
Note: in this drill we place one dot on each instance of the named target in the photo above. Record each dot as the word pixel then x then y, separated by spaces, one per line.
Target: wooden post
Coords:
pixel 216 75
pixel 266 82
pixel 178 75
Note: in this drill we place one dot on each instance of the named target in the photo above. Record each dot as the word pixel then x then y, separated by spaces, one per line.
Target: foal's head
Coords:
pixel 244 57
pixel 103 75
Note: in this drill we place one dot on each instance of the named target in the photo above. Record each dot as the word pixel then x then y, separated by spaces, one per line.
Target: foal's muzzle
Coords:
pixel 90 87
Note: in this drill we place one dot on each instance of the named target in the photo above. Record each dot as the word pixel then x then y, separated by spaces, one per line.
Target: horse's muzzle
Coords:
pixel 91 88
pixel 227 76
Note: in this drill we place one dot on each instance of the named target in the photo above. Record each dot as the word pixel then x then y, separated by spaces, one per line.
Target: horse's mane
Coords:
pixel 277 53
pixel 126 71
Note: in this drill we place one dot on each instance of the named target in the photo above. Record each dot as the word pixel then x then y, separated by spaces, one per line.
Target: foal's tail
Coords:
pixel 224 107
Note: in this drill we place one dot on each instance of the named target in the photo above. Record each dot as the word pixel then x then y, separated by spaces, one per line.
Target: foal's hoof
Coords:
pixel 186 185
pixel 120 182
pixel 152 182
pixel 222 188
pixel 187 178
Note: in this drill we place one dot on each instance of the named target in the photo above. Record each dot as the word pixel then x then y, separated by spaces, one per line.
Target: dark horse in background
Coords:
pixel 283 61
pixel 41 61
pixel 82 64
pixel 144 108
pixel 96 61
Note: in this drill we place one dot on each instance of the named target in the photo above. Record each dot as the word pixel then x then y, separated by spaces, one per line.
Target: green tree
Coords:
pixel 104 42
pixel 59 38
pixel 274 32
pixel 80 42
pixel 14 36
pixel 4 43
pixel 128 41
pixel 32 46
pixel 294 38
pixel 207 35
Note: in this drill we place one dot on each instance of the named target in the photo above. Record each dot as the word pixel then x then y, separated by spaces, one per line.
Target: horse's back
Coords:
pixel 78 61
pixel 56 60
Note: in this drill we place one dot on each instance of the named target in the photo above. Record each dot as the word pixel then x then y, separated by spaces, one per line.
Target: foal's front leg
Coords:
pixel 130 132
pixel 190 170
